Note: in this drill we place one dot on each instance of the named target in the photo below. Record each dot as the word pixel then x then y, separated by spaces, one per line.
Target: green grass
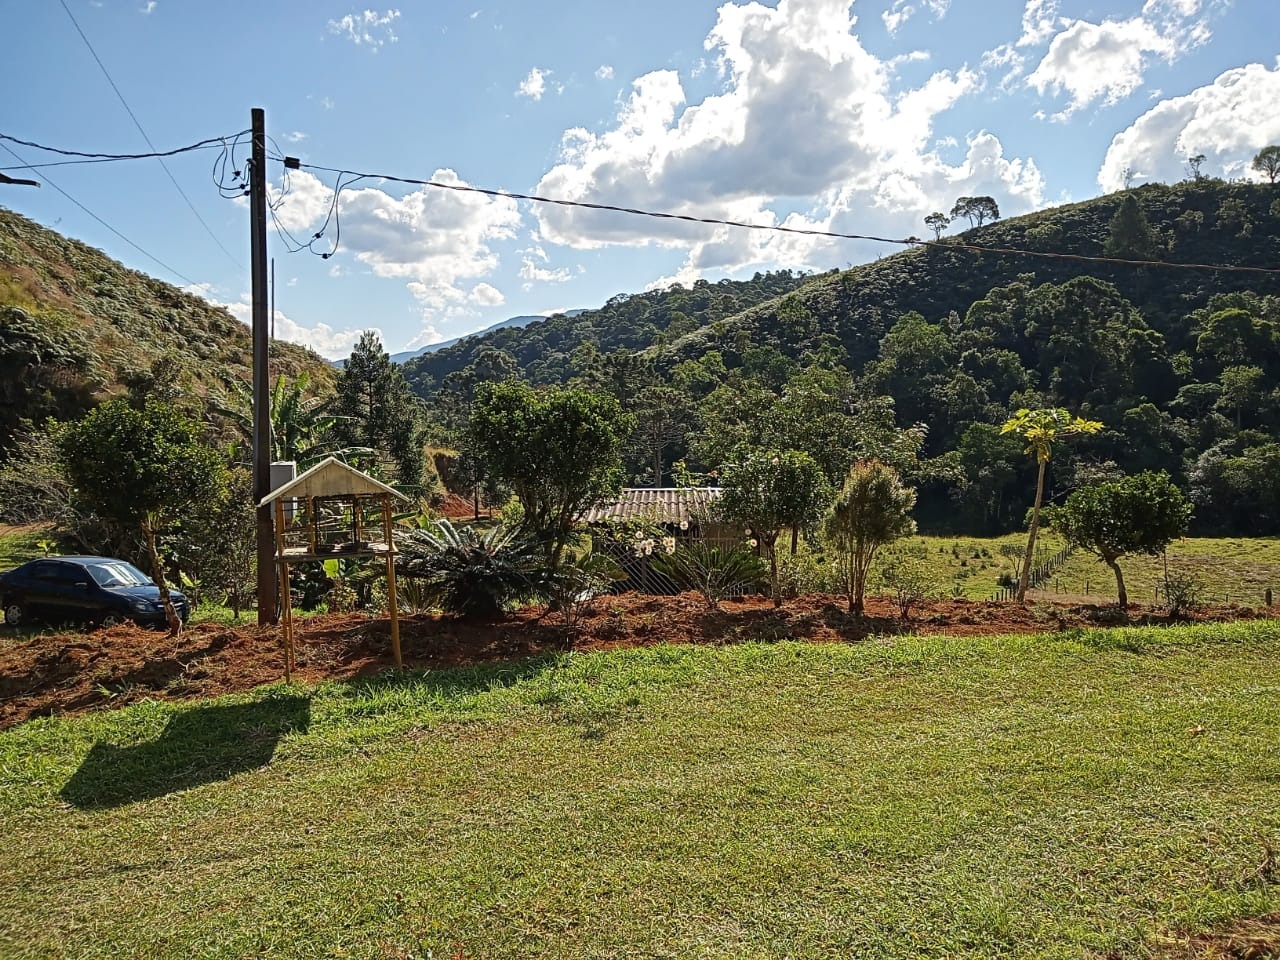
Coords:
pixel 1238 570
pixel 1057 796
pixel 971 567
pixel 20 544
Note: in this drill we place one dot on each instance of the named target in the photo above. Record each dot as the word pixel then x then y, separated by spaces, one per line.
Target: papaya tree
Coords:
pixel 1042 429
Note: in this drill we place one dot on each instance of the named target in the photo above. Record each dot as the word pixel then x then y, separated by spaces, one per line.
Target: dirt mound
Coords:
pixel 73 672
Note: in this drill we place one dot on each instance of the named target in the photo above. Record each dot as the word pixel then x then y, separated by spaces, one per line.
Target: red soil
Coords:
pixel 57 673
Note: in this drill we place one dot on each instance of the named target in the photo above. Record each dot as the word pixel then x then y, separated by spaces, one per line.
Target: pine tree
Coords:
pixel 376 409
pixel 1131 236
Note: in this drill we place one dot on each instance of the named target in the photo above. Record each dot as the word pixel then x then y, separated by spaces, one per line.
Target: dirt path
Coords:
pixel 73 672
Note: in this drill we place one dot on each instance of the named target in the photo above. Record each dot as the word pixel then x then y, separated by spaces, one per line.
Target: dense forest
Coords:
pixel 919 357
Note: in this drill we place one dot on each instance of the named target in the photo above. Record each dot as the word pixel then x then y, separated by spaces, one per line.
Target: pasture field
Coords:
pixel 1083 793
pixel 1228 570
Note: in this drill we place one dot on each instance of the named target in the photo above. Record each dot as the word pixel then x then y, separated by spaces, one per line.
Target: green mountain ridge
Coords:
pixel 77 326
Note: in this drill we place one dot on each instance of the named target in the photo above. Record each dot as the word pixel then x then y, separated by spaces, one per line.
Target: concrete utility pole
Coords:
pixel 261 373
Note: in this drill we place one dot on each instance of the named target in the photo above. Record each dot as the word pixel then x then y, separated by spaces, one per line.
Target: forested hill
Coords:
pixel 1196 221
pixel 543 350
pixel 76 326
pixel 918 358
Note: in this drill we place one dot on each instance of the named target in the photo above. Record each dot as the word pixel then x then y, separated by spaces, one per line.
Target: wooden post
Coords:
pixel 282 567
pixel 312 523
pixel 393 606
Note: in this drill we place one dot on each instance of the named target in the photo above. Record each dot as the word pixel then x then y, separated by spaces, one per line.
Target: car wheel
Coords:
pixel 14 615
pixel 111 620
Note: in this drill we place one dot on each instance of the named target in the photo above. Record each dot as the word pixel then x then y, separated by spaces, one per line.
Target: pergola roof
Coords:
pixel 330 478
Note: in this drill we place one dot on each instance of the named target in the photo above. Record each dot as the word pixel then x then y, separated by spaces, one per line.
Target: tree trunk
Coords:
pixel 773 574
pixel 157 572
pixel 795 535
pixel 1031 536
pixel 1120 591
pixel 657 466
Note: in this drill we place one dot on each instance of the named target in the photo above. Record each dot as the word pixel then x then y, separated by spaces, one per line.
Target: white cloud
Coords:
pixel 535 84
pixel 1039 22
pixel 367 29
pixel 295 136
pixel 148 8
pixel 326 341
pixel 806 132
pixel 1228 121
pixel 903 10
pixel 435 239
pixel 1106 62
pixel 604 72
pixel 531 273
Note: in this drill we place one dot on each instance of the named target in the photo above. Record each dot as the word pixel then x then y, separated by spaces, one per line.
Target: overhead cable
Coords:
pixel 132 116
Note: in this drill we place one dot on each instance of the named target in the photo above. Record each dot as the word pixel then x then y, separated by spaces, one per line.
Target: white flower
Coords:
pixel 669 544
pixel 747 531
pixel 684 524
pixel 754 542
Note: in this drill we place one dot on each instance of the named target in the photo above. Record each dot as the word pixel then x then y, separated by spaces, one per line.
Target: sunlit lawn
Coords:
pixel 1059 796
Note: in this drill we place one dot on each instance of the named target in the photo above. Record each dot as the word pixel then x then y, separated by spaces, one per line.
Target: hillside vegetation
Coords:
pixel 77 326
pixel 918 358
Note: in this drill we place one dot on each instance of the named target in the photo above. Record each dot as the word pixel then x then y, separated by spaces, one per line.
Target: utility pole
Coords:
pixel 261 373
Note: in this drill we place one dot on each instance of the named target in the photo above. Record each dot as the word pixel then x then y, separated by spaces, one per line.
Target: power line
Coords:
pixel 742 224
pixel 149 256
pixel 172 179
pixel 209 143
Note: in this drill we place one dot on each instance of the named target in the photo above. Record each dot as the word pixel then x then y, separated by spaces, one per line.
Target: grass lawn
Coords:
pixel 1236 570
pixel 971 567
pixel 1054 796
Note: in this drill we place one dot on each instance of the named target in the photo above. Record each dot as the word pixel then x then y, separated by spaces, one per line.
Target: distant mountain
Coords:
pixel 627 321
pixel 77 327
pixel 501 325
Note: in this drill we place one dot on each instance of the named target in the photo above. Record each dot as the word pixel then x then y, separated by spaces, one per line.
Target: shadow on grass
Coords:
pixel 198 746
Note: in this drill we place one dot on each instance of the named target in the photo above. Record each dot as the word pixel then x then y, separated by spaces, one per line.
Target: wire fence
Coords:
pixel 1040 573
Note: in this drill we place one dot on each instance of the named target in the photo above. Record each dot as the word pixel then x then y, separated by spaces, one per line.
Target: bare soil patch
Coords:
pixel 1254 939
pixel 56 673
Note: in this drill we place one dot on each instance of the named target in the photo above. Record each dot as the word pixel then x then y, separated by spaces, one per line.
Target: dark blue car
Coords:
pixel 96 590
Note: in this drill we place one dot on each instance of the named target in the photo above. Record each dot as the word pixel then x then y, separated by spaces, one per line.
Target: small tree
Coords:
pixel 1267 163
pixel 873 509
pixel 1138 514
pixel 1194 163
pixel 146 468
pixel 770 490
pixel 1042 429
pixel 559 450
pixel 1130 236
pixel 937 222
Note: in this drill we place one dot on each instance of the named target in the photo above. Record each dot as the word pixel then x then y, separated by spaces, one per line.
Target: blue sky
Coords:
pixel 853 117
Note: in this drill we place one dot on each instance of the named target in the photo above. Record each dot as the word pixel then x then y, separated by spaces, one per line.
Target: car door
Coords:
pixel 67 591
pixel 40 590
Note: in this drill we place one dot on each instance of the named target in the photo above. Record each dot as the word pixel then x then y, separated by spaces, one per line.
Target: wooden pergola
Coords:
pixel 330 512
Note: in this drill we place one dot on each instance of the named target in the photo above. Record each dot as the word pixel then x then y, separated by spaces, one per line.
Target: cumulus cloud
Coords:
pixel 368 28
pixel 1228 121
pixel 437 240
pixel 535 84
pixel 604 72
pixel 807 119
pixel 1106 62
pixel 903 10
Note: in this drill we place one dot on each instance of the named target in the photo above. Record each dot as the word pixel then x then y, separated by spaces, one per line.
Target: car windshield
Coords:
pixel 117 573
